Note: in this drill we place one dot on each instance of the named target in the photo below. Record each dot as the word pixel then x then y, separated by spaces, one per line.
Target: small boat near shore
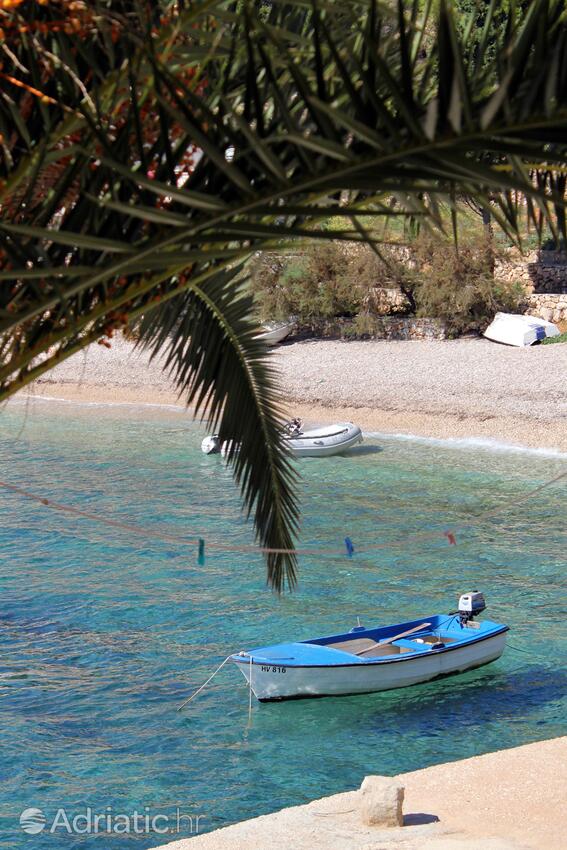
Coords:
pixel 275 332
pixel 317 442
pixel 375 659
pixel 325 441
pixel 519 330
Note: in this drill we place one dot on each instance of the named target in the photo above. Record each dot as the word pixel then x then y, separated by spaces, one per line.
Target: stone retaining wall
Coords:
pixel 381 327
pixel 552 307
pixel 539 271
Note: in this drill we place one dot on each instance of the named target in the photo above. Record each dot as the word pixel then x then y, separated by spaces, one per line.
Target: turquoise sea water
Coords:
pixel 103 634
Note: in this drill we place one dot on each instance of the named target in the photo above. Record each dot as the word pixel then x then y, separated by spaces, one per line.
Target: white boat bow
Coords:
pixel 275 332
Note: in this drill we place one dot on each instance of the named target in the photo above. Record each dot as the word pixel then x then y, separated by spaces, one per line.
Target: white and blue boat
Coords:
pixel 376 659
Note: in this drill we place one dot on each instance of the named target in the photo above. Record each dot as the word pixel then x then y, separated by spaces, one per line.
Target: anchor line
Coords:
pixel 204 685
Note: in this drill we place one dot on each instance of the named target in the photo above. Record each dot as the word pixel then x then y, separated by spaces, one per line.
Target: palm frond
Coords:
pixel 209 342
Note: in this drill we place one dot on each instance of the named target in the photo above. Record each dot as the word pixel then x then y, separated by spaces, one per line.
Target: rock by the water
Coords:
pixel 381 801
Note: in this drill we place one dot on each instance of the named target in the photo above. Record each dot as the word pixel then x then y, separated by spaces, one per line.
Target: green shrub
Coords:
pixel 550 340
pixel 312 286
pixel 458 286
pixel 364 325
pixel 350 331
pixel 333 279
pixel 269 294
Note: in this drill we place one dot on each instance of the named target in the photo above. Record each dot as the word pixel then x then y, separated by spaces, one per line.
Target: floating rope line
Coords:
pixel 486 514
pixel 69 509
pixel 212 676
pixel 198 540
pixel 519 649
pixel 520 499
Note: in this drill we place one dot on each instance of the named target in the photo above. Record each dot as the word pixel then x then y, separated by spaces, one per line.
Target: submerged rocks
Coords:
pixel 381 801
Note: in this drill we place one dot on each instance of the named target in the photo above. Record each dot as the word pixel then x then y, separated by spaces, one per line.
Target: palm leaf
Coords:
pixel 208 339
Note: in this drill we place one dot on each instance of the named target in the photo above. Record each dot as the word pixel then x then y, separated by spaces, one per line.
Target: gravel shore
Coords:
pixel 463 388
pixel 470 377
pixel 453 388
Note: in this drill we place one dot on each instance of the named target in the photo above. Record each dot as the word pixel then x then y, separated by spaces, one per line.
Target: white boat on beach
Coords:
pixel 318 442
pixel 275 332
pixel 519 330
pixel 376 659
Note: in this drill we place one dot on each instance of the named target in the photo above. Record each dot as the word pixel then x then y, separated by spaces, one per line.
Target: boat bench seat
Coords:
pixel 370 648
pixel 381 650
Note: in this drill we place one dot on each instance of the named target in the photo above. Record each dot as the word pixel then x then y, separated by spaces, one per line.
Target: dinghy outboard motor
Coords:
pixel 294 427
pixel 211 445
pixel 471 604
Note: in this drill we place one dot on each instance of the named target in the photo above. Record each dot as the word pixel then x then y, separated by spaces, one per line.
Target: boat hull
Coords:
pixel 519 330
pixel 271 681
pixel 211 445
pixel 320 442
pixel 326 442
pixel 274 334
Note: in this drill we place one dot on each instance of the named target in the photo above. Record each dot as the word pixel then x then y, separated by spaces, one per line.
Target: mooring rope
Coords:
pixel 204 685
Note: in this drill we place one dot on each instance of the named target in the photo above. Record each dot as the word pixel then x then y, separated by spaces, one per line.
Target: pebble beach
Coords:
pixel 451 389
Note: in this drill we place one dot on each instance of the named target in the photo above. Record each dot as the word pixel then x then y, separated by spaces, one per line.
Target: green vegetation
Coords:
pixel 458 286
pixel 551 340
pixel 149 149
pixel 434 280
pixel 322 282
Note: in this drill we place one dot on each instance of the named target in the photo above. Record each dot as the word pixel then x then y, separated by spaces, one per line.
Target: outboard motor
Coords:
pixel 293 427
pixel 211 445
pixel 471 604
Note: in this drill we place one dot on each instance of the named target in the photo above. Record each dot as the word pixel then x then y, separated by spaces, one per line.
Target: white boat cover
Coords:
pixel 519 330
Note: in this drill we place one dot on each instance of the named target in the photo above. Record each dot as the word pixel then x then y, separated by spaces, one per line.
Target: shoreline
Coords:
pixel 466 389
pixel 443 426
pixel 512 799
pixel 490 432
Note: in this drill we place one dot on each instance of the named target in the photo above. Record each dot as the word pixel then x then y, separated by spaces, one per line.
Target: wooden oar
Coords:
pixel 392 639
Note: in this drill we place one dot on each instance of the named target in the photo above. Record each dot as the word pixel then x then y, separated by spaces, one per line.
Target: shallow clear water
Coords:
pixel 103 634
